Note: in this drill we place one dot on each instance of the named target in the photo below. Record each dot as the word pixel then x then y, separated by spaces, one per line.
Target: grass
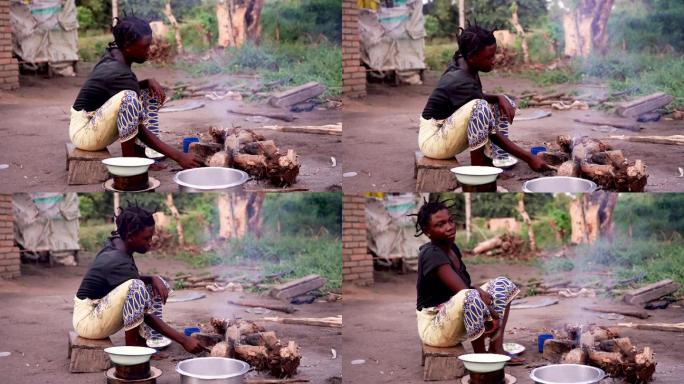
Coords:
pixel 655 260
pixel 91 46
pixel 93 236
pixel 290 64
pixel 438 53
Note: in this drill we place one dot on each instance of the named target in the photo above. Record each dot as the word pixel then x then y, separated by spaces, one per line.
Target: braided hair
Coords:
pixel 132 220
pixel 128 30
pixel 425 213
pixel 472 40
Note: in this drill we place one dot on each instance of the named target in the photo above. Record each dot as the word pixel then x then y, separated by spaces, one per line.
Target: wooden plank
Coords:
pixel 434 175
pixel 616 309
pixel 442 363
pixel 88 355
pixel 260 112
pixel 297 287
pixel 643 104
pixel 329 129
pixel 332 322
pixel 666 327
pixel 669 140
pixel 263 304
pixel 85 167
pixel 650 292
pixel 297 94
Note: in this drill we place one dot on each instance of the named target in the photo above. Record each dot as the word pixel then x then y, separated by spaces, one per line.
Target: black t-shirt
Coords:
pixel 110 268
pixel 108 78
pixel 431 290
pixel 456 87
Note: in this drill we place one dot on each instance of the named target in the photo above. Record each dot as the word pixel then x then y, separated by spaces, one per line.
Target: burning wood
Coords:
pixel 246 341
pixel 251 152
pixel 595 160
pixel 603 348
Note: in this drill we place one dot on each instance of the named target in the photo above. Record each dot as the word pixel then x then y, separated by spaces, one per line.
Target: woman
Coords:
pixel 459 116
pixel 113 295
pixel 449 309
pixel 112 105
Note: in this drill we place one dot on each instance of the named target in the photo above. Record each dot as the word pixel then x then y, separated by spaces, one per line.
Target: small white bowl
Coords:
pixel 484 362
pixel 127 166
pixel 513 348
pixel 476 175
pixel 506 163
pixel 152 154
pixel 128 355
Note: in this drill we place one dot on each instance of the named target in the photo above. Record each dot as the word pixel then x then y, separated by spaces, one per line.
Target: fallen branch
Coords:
pixel 329 129
pixel 621 311
pixel 272 115
pixel 332 322
pixel 666 327
pixel 263 304
pixel 629 127
pixel 670 140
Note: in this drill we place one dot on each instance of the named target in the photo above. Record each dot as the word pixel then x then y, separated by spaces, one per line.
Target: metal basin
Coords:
pixel 567 374
pixel 212 370
pixel 211 179
pixel 559 184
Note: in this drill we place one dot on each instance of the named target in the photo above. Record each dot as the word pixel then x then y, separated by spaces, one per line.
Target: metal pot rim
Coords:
pixel 244 179
pixel 542 381
pixel 594 186
pixel 243 371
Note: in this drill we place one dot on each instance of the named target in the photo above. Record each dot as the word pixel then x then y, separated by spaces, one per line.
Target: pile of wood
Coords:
pixel 505 244
pixel 603 348
pixel 210 282
pixel 251 152
pixel 246 341
pixel 597 161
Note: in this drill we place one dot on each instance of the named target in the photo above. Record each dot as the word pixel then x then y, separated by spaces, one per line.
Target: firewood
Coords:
pixel 611 362
pixel 297 287
pixel 624 346
pixel 204 150
pixel 297 94
pixel 650 292
pixel 565 143
pixel 488 245
pixel 254 165
pixel 569 168
pixel 220 159
pixel 219 325
pixel 264 339
pixel 584 147
pixel 643 104
pixel 333 322
pixel 670 140
pixel 575 356
pixel 221 349
pixel 603 175
pixel 266 147
pixel 554 349
pixel 277 306
pixel 554 158
pixel 630 127
pixel 329 129
pixel 287 360
pixel 283 170
pixel 635 178
pixel 646 363
pixel 207 339
pixel 615 158
pixel 666 327
pixel 256 356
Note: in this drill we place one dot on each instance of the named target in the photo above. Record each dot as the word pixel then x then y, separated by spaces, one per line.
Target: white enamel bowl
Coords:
pixel 127 355
pixel 127 166
pixel 484 362
pixel 476 175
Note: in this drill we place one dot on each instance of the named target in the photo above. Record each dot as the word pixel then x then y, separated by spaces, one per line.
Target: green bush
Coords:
pixel 438 54
pixel 302 20
pixel 85 17
pixel 93 237
pixel 91 48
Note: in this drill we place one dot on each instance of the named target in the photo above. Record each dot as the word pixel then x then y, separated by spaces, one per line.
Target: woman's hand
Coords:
pixel 506 108
pixel 192 345
pixel 538 165
pixel 189 160
pixel 159 288
pixel 157 90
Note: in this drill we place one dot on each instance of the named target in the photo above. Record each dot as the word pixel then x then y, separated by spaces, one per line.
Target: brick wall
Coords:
pixel 9 254
pixel 353 74
pixel 357 263
pixel 9 67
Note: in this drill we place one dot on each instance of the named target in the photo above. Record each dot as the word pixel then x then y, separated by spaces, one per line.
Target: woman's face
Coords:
pixel 139 50
pixel 441 226
pixel 483 60
pixel 141 241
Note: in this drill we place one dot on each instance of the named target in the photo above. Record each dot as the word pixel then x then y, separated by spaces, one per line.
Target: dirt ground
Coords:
pixel 381 135
pixel 36 317
pixel 380 328
pixel 34 123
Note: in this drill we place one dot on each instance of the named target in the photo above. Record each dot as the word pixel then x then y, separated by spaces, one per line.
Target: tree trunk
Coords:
pixel 117 203
pixel 521 32
pixel 585 27
pixel 468 216
pixel 592 217
pixel 115 9
pixel 239 214
pixel 461 13
pixel 528 222
pixel 176 215
pixel 172 19
pixel 238 21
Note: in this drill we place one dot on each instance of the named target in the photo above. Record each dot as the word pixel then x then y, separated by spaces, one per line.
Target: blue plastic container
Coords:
pixel 540 340
pixel 187 141
pixel 190 330
pixel 536 150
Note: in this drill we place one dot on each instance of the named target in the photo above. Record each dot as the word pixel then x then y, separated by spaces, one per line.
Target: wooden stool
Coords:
pixel 433 175
pixel 88 355
pixel 442 363
pixel 85 167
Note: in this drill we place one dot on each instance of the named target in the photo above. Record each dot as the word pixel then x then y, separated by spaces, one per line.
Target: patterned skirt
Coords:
pixel 462 318
pixel 116 119
pixel 467 128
